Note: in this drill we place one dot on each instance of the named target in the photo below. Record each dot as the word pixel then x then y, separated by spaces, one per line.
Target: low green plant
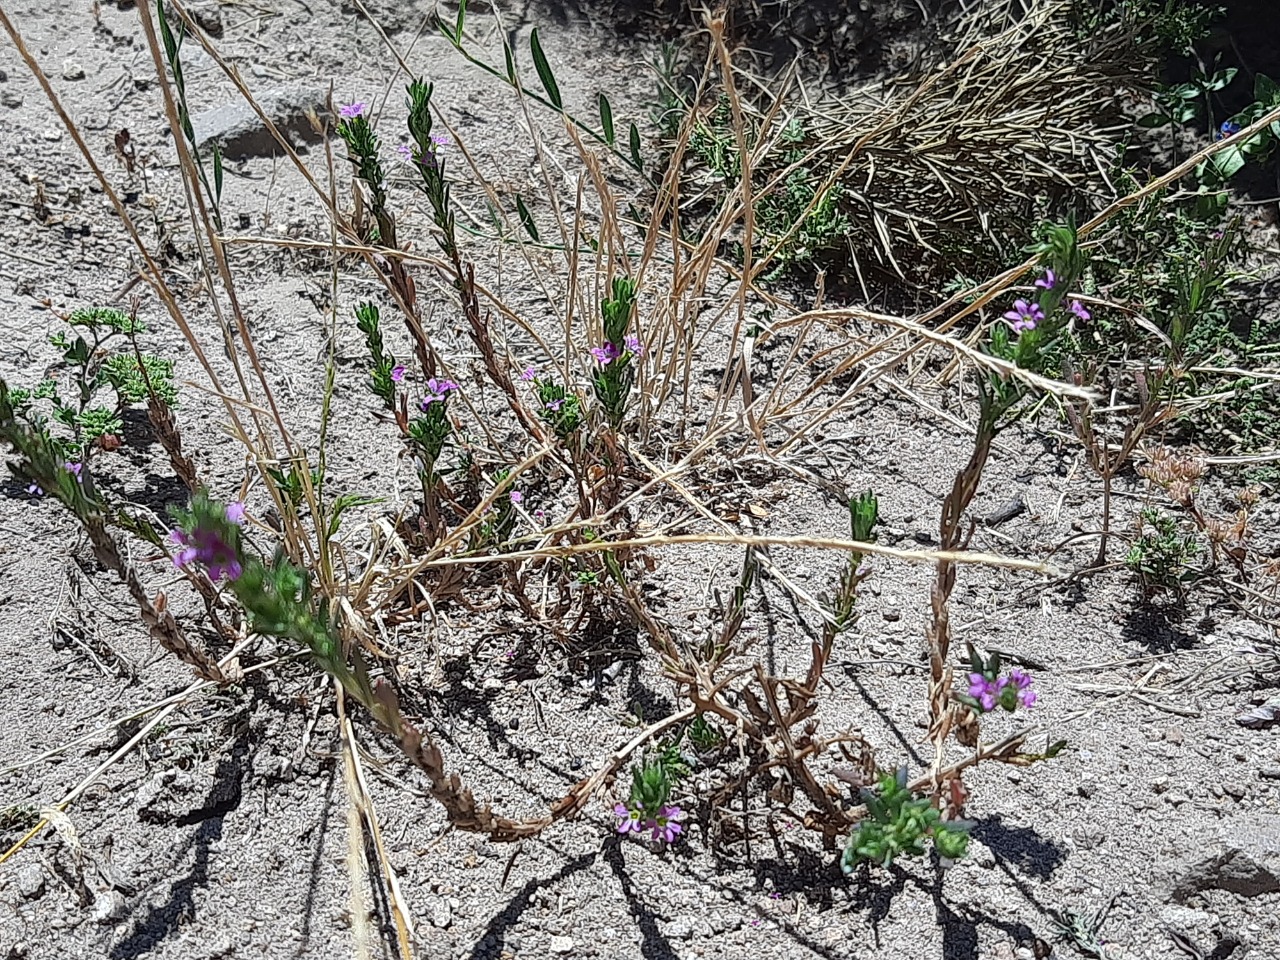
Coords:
pixel 99 356
pixel 1163 552
pixel 898 823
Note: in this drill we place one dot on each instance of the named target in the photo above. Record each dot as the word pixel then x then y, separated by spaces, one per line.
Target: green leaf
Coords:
pixel 635 148
pixel 462 16
pixel 1266 90
pixel 1229 162
pixel 217 176
pixel 511 63
pixel 544 71
pixel 606 120
pixel 526 219
pixel 1154 120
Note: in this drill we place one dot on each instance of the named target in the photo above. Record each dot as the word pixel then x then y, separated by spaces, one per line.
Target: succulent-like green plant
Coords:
pixel 898 823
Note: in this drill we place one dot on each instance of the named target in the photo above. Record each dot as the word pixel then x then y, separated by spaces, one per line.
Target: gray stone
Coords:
pixel 11 100
pixel 108 907
pixel 31 881
pixel 562 945
pixel 441 914
pixel 240 132
pixel 1243 859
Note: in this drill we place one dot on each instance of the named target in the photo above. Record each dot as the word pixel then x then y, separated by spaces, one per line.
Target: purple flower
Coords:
pixel 985 691
pixel 1080 310
pixel 529 373
pixel 606 354
pixel 665 826
pixel 1048 280
pixel 634 345
pixel 556 404
pixel 517 496
pixel 74 469
pixel 1228 129
pixel 208 548
pixel 628 819
pixel 1024 316
pixel 235 512
pixel 35 490
pixel 436 390
pixel 1020 680
pixel 406 152
pixel 440 140
pixel 352 110
pixel 397 372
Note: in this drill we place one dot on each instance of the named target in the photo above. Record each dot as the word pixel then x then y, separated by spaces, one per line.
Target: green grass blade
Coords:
pixel 635 148
pixel 606 120
pixel 526 219
pixel 544 71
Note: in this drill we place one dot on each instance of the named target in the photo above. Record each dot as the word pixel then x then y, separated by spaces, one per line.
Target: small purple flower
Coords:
pixel 985 691
pixel 517 496
pixel 74 469
pixel 235 512
pixel 606 354
pixel 1024 316
pixel 1228 129
pixel 1021 681
pixel 1048 280
pixel 634 345
pixel 1080 310
pixel 35 490
pixel 529 373
pixel 440 140
pixel 397 373
pixel 666 825
pixel 555 405
pixel 208 548
pixel 406 152
pixel 436 390
pixel 628 819
pixel 352 110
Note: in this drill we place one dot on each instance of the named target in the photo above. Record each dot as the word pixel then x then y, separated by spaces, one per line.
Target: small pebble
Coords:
pixel 72 71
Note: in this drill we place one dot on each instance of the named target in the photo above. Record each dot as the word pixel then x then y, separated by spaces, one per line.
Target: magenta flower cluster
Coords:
pixel 436 391
pixel 989 692
pixel 664 827
pixel 207 548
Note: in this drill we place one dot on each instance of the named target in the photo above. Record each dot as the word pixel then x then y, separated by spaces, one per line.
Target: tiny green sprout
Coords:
pixel 898 823
pixel 558 408
pixel 864 514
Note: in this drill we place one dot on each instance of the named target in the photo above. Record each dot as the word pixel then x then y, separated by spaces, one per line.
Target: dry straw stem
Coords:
pixel 929 167
pixel 745 540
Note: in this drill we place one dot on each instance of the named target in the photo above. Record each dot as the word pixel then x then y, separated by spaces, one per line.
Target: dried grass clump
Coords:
pixel 947 169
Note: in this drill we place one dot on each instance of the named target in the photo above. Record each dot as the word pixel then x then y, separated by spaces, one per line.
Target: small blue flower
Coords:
pixel 1228 129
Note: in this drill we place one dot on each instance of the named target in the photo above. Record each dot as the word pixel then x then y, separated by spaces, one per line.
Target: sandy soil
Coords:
pixel 225 833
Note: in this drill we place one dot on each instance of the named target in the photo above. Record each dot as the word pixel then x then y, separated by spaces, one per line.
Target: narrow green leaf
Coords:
pixel 635 148
pixel 526 219
pixel 511 64
pixel 606 120
pixel 544 71
pixel 217 176
pixel 1152 120
pixel 462 16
